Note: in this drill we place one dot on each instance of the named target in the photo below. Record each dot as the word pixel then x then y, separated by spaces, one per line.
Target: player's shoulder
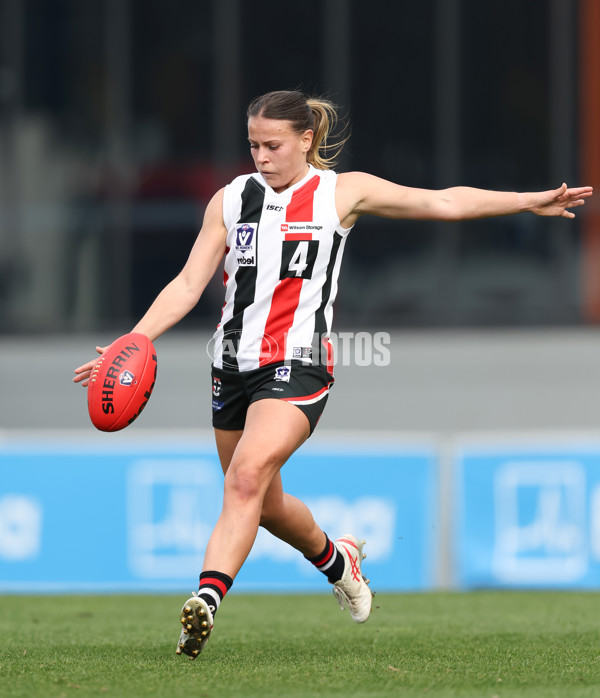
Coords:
pixel 351 185
pixel 354 179
pixel 355 186
pixel 326 175
pixel 237 182
pixel 215 203
pixel 242 178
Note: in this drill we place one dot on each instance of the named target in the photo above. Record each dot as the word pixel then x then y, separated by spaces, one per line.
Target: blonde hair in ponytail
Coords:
pixel 323 153
pixel 313 113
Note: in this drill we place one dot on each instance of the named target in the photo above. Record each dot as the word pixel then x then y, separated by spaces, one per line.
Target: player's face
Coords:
pixel 279 153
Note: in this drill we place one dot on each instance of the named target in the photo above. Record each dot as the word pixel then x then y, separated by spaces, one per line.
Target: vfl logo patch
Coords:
pixel 283 373
pixel 126 378
pixel 244 238
pixel 245 243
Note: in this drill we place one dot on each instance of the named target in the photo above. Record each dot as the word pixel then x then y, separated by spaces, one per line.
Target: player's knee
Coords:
pixel 247 482
pixel 242 485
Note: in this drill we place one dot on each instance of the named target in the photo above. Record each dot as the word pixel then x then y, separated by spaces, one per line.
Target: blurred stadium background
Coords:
pixel 120 118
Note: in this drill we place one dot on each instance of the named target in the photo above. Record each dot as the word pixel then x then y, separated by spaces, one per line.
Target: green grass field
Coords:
pixel 484 645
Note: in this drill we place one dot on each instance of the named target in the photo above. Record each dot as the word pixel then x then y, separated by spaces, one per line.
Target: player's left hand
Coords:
pixel 82 373
pixel 555 202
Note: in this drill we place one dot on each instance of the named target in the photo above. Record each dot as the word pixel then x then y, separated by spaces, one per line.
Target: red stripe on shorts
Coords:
pixel 305 398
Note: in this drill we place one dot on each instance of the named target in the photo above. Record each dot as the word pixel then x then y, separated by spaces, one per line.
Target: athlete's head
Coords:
pixel 286 130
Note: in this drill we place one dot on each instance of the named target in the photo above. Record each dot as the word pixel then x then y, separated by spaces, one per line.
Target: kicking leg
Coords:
pixel 287 517
pixel 274 430
pixel 282 514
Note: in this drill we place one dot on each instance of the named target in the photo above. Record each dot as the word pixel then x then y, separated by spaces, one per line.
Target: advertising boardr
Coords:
pixel 154 507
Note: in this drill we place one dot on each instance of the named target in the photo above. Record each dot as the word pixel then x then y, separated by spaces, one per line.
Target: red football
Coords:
pixel 121 382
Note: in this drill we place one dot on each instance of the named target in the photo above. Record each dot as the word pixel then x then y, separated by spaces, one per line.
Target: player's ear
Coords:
pixel 307 139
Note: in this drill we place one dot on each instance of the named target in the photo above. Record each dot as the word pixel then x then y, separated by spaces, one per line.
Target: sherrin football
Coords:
pixel 121 382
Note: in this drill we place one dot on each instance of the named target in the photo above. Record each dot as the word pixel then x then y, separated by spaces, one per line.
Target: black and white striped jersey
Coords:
pixel 282 264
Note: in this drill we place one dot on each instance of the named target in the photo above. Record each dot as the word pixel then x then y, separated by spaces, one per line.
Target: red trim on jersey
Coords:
pixel 287 292
pixel 329 349
pixel 225 274
pixel 298 236
pixel 300 208
pixel 281 317
pixel 225 280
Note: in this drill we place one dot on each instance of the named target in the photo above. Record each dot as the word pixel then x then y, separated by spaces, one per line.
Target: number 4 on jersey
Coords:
pixel 298 258
pixel 298 261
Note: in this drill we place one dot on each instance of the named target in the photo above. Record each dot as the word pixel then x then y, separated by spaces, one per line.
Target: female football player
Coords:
pixel 281 232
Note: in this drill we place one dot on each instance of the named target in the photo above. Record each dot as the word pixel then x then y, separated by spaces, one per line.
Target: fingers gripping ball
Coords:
pixel 121 382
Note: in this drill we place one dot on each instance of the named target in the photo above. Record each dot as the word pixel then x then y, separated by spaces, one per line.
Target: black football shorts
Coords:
pixel 233 392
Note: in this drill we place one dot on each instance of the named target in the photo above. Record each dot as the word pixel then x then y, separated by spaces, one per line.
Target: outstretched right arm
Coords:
pixel 181 295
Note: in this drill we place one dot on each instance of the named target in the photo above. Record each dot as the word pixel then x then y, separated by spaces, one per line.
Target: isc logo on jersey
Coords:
pixel 245 244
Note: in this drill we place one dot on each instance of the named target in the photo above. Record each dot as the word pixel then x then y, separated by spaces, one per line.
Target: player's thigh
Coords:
pixel 274 430
pixel 227 441
pixel 275 427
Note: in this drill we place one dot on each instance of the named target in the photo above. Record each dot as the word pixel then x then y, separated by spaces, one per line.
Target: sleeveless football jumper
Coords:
pixel 282 262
